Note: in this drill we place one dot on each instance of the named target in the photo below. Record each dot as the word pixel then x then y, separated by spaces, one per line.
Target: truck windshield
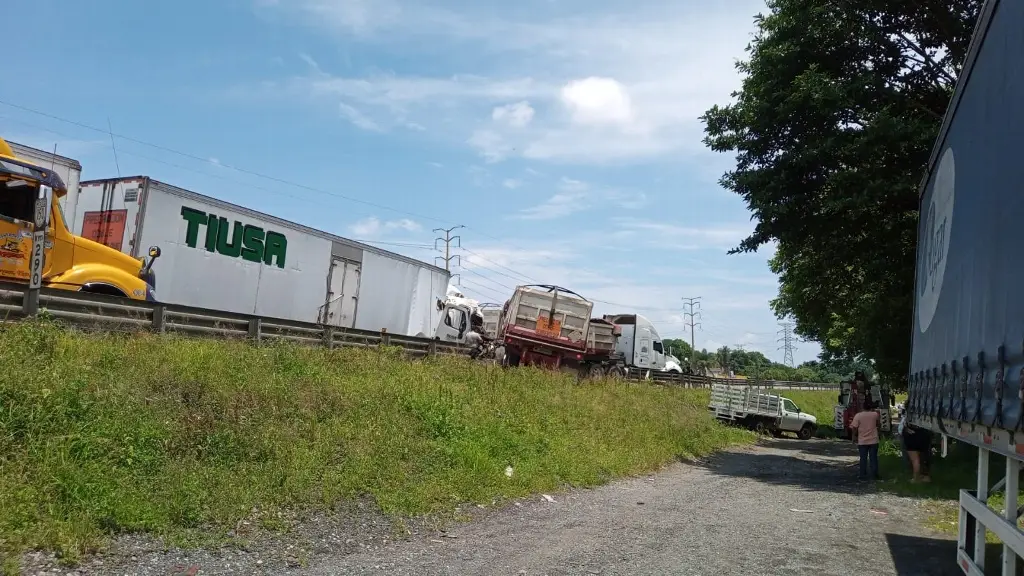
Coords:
pixel 17 199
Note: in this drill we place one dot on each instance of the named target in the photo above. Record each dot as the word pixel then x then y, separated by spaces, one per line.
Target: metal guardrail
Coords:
pixel 112 314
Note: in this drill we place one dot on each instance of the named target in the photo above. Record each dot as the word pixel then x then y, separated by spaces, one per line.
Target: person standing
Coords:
pixel 865 426
pixel 918 443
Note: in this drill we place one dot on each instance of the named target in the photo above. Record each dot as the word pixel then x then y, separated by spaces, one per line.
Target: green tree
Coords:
pixel 837 114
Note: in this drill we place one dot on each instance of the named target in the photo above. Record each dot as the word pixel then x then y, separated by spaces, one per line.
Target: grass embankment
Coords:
pixel 818 403
pixel 105 434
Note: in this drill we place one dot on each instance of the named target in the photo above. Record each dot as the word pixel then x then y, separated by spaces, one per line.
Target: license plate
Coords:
pixel 547 327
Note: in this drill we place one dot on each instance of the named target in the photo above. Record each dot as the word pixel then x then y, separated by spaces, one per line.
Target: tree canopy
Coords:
pixel 754 364
pixel 839 108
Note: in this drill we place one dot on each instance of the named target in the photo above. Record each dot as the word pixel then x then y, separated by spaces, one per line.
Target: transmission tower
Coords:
pixel 691 313
pixel 788 341
pixel 448 239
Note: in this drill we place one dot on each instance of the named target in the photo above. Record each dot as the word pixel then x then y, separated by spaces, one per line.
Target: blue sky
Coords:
pixel 562 133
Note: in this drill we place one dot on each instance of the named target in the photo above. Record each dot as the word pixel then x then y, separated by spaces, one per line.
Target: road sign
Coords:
pixel 38 257
pixel 40 213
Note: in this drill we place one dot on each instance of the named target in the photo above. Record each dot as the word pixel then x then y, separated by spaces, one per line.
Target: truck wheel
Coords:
pixel 760 427
pixel 806 432
pixel 511 359
pixel 615 372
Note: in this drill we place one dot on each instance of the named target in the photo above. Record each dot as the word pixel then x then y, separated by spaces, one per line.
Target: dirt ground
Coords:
pixel 786 507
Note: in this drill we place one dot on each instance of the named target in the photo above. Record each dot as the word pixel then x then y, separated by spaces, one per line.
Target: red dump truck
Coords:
pixel 545 325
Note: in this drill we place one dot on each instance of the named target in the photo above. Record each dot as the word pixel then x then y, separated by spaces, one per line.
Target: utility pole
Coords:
pixel 691 313
pixel 448 239
pixel 787 340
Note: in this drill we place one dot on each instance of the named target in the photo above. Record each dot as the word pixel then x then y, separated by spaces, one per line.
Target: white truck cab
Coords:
pixel 455 321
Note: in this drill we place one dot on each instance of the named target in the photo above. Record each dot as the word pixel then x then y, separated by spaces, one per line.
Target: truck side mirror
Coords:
pixel 154 253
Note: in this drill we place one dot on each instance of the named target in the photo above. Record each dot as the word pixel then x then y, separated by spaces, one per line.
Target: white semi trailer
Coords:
pixel 222 256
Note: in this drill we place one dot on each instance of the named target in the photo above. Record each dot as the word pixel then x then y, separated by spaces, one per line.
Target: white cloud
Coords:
pixel 598 101
pixel 512 183
pixel 572 197
pixel 357 118
pixel 676 236
pixel 490 144
pixel 373 226
pixel 609 85
pixel 516 115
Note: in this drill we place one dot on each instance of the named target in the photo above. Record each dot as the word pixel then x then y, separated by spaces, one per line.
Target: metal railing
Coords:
pixel 112 314
pixel 109 313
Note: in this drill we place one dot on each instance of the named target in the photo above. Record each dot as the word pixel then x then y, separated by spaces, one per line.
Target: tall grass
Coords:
pixel 106 434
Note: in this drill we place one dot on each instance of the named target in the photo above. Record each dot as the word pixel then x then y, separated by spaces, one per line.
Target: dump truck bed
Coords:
pixel 550 316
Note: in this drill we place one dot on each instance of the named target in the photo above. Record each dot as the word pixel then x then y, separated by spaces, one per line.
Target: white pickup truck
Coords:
pixel 759 410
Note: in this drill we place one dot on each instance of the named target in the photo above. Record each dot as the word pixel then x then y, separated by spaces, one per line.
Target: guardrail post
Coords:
pixel 432 348
pixel 255 329
pixel 158 318
pixel 385 338
pixel 329 337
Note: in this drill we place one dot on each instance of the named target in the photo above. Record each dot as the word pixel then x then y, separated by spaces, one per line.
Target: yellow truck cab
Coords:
pixel 71 262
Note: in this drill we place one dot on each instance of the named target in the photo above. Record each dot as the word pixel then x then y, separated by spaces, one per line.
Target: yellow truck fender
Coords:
pixel 93 277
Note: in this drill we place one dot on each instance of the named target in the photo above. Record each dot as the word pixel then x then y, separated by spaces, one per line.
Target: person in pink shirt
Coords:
pixel 865 426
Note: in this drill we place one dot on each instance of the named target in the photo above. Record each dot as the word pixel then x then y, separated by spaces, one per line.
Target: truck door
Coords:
pixel 790 416
pixel 454 324
pixel 658 363
pixel 17 207
pixel 643 348
pixel 343 294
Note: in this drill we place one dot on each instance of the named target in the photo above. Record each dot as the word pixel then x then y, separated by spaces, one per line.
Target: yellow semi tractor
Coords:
pixel 71 262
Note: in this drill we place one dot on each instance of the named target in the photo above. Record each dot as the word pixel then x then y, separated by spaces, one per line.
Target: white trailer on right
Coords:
pixel 966 376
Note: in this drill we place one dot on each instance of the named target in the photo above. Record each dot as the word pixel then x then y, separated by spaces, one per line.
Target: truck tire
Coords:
pixel 511 359
pixel 761 427
pixel 806 432
pixel 615 372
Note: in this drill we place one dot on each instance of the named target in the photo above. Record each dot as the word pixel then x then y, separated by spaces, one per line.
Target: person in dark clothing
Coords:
pixel 918 443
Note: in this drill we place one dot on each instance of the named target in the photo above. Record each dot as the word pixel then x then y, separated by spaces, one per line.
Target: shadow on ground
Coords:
pixel 832 466
pixel 917 556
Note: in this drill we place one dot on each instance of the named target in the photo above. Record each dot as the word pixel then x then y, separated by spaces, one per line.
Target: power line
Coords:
pixel 220 164
pixel 787 339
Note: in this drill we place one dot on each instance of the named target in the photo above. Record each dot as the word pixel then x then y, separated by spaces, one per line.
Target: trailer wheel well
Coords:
pixel 104 289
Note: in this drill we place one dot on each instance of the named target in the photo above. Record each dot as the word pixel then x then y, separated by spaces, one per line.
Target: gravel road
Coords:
pixel 786 507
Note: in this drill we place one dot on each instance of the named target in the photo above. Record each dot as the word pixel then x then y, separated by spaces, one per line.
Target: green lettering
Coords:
pixel 276 245
pixel 212 226
pixel 252 243
pixel 234 249
pixel 194 218
pixel 234 239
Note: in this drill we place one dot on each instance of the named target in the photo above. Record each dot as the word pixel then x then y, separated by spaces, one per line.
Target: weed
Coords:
pixel 182 437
